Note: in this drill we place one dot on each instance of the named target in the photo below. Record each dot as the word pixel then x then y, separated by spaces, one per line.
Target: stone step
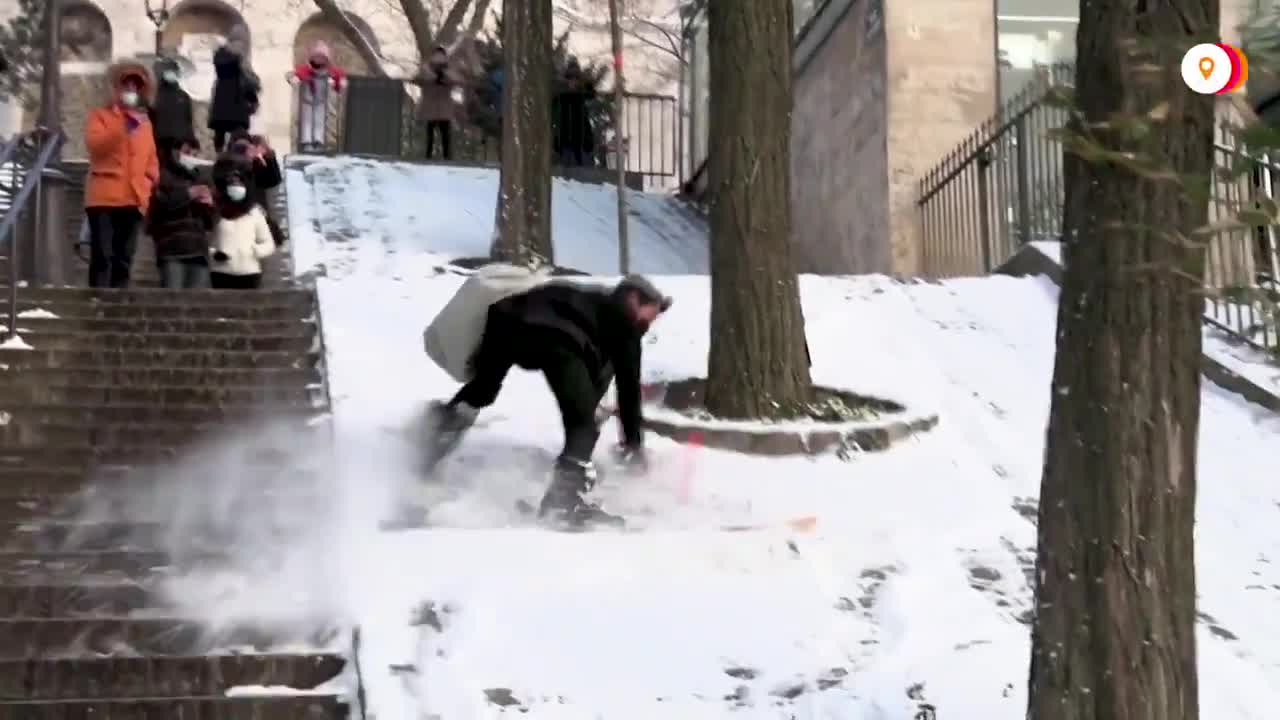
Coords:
pixel 35 568
pixel 215 309
pixel 146 501
pixel 143 677
pixel 31 638
pixel 44 490
pixel 98 413
pixel 73 600
pixel 293 297
pixel 148 376
pixel 91 458
pixel 278 707
pixel 73 394
pixel 152 325
pixel 301 342
pixel 140 536
pixel 21 433
pixel 157 358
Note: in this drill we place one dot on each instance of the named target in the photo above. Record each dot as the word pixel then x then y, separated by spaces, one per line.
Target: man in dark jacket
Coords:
pixel 235 89
pixel 573 140
pixel 581 338
pixel 263 170
pixel 180 218
pixel 171 116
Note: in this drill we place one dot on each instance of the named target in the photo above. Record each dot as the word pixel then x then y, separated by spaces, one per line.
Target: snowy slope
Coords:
pixel 356 211
pixel 912 589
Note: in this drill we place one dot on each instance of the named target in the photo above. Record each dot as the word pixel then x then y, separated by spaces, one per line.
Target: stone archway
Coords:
pixel 345 55
pixel 196 29
pixel 84 56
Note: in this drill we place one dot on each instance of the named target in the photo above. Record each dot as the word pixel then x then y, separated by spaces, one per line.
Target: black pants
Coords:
pixel 567 375
pixel 446 129
pixel 226 281
pixel 113 233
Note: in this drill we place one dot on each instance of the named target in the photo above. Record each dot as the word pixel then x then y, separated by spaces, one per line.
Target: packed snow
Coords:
pixel 911 589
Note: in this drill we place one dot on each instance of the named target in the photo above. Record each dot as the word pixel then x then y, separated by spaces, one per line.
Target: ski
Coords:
pixel 798 524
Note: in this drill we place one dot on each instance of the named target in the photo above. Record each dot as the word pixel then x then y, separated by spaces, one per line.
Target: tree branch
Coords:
pixel 363 45
pixel 448 33
pixel 419 19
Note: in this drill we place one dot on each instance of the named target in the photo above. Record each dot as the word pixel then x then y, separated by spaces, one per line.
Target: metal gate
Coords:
pixel 373 120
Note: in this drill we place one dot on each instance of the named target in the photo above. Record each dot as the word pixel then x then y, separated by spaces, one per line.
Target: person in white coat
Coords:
pixel 242 238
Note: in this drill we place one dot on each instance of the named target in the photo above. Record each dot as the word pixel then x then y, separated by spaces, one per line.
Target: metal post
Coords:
pixel 42 245
pixel 159 16
pixel 54 260
pixel 624 249
pixel 1020 179
pixel 984 209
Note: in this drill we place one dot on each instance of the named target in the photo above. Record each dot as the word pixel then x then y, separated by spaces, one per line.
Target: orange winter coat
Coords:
pixel 123 165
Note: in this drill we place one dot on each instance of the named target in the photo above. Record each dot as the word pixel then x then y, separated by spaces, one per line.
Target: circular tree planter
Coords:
pixel 841 421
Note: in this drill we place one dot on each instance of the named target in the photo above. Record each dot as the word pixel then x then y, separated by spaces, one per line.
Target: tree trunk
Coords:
pixel 758 365
pixel 1114 631
pixel 522 233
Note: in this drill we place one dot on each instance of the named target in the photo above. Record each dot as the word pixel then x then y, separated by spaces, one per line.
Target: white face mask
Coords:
pixel 129 98
pixel 189 162
pixel 235 193
pixel 170 76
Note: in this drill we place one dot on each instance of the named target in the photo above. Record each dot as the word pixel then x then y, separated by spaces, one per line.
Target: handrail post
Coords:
pixel 51 264
pixel 1021 181
pixel 984 208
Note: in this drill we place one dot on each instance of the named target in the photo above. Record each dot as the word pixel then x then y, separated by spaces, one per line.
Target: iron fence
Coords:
pixel 1003 187
pixel 377 116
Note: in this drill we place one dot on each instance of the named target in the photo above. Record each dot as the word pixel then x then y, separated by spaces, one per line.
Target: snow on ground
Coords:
pixel 912 589
pixel 399 208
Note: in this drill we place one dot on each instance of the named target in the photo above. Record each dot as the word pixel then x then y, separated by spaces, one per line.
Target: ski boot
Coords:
pixel 445 426
pixel 564 502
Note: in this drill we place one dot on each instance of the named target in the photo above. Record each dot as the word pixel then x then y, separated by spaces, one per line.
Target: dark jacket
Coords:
pixel 171 115
pixel 570 116
pixel 593 324
pixel 179 225
pixel 235 92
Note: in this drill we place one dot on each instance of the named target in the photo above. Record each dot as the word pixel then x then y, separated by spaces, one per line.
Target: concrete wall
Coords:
pixel 942 85
pixel 838 154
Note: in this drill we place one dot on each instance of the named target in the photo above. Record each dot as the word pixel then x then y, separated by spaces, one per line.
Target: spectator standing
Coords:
pixel 574 139
pixel 438 108
pixel 316 79
pixel 123 169
pixel 241 238
pixel 181 215
pixel 171 113
pixel 253 155
pixel 235 88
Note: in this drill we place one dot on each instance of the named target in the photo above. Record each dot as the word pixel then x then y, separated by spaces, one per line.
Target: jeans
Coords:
pixel 113 233
pixel 184 273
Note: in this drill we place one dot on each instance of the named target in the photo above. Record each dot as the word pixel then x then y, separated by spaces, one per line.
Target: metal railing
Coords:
pixel 378 117
pixel 1003 187
pixel 47 144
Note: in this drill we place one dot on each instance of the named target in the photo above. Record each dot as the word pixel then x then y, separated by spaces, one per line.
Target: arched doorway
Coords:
pixel 196 29
pixel 345 55
pixel 84 56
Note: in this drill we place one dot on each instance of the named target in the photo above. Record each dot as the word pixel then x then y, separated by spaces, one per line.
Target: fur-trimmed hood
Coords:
pixel 120 69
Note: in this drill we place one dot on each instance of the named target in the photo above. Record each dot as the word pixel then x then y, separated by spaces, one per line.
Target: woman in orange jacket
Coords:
pixel 123 167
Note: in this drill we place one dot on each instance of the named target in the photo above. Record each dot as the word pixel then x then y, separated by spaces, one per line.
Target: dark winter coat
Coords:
pixel 570 117
pixel 235 92
pixel 171 115
pixel 590 322
pixel 177 224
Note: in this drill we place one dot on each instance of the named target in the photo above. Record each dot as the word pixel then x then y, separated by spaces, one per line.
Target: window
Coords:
pixel 1033 34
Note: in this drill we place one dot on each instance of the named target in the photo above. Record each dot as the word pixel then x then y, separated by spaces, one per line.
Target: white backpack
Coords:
pixel 454 335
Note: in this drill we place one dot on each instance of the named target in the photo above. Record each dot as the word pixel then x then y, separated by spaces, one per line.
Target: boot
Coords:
pixel 445 425
pixel 565 501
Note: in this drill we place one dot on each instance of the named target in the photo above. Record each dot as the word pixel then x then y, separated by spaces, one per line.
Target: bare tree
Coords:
pixel 758 366
pixel 522 231
pixel 650 26
pixel 432 22
pixel 1114 635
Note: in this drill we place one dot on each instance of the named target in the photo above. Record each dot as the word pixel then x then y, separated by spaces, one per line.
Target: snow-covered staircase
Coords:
pixel 100 407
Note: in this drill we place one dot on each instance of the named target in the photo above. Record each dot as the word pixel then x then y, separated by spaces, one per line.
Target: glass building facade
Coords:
pixel 1032 35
